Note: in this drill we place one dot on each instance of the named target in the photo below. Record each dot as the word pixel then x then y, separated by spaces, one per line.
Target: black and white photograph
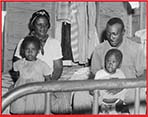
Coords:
pixel 74 58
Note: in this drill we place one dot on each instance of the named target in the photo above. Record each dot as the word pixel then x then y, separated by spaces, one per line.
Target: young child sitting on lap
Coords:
pixel 112 101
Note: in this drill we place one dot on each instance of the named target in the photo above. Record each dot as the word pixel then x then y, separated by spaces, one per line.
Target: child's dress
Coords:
pixel 102 74
pixel 30 71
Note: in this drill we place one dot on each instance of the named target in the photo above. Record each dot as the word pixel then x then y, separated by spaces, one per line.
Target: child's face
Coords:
pixel 31 52
pixel 111 64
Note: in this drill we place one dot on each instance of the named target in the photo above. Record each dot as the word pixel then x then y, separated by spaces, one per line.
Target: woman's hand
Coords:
pixel 57 69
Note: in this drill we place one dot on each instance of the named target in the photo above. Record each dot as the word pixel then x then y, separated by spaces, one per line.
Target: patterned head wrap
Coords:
pixel 37 14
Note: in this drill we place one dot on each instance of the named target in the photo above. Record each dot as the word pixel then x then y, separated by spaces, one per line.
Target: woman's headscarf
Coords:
pixel 35 15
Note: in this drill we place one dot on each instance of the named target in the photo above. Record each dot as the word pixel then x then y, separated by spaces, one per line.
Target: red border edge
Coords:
pixel 64 1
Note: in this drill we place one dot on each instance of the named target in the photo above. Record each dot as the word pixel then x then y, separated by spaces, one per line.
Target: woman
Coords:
pixel 50 53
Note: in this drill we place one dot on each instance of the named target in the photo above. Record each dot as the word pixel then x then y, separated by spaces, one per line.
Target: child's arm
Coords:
pixel 114 91
pixel 46 71
pixel 48 77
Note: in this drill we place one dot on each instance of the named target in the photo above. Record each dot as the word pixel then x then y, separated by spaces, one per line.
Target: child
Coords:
pixel 113 98
pixel 30 69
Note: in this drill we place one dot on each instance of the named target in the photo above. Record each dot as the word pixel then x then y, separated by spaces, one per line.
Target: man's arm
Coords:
pixel 96 64
pixel 16 55
pixel 57 69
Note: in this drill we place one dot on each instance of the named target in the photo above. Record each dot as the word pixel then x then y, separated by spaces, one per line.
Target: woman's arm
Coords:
pixel 15 58
pixel 14 75
pixel 57 69
pixel 16 54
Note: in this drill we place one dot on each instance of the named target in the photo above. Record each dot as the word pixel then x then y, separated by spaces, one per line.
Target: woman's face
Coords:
pixel 31 52
pixel 111 64
pixel 41 26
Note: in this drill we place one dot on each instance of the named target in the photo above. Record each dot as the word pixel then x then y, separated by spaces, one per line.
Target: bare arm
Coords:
pixel 57 69
pixel 114 91
pixel 15 59
pixel 95 64
pixel 16 54
pixel 14 75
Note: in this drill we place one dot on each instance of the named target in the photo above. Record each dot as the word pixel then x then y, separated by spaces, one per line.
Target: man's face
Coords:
pixel 114 34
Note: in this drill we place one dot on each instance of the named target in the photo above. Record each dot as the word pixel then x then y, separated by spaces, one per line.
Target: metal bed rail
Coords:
pixel 75 85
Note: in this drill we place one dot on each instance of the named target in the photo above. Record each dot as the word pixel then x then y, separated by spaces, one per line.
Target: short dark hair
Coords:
pixel 116 20
pixel 118 54
pixel 36 15
pixel 27 40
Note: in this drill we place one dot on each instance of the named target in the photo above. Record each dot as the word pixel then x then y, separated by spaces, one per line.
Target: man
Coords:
pixel 134 61
pixel 133 64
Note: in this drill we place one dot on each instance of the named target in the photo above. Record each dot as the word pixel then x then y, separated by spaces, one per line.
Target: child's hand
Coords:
pixel 114 91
